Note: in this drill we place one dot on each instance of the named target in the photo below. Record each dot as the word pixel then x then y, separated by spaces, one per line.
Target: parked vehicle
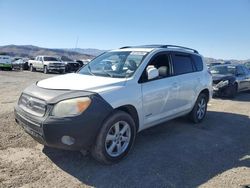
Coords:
pixel 18 64
pixel 121 92
pixel 209 65
pixel 83 63
pixel 5 62
pixel 47 64
pixel 70 65
pixel 247 64
pixel 230 79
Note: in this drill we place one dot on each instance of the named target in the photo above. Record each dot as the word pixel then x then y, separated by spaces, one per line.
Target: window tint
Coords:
pixel 182 64
pixel 161 62
pixel 198 62
pixel 240 70
pixel 246 70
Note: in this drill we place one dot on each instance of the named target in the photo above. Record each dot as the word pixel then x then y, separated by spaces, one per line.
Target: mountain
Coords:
pixel 78 53
pixel 209 60
pixel 32 51
pixel 89 51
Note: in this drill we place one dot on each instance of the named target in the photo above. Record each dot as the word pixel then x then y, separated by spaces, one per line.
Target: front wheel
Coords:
pixel 232 91
pixel 45 70
pixel 115 138
pixel 200 109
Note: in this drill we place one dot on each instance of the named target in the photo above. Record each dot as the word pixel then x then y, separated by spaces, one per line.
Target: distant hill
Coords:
pixel 89 51
pixel 78 53
pixel 32 51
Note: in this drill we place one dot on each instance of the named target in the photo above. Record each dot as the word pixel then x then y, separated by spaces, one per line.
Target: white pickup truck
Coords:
pixel 47 64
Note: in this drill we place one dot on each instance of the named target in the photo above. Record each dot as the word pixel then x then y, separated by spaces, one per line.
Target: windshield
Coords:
pixel 223 70
pixel 120 64
pixel 50 59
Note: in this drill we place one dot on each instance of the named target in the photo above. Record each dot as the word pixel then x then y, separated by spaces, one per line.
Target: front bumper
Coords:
pixel 222 91
pixel 54 68
pixel 3 65
pixel 49 130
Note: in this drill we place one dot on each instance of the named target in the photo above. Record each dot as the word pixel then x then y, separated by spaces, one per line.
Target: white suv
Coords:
pixel 119 93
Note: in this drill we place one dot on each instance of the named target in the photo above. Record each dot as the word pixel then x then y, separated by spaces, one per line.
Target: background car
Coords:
pixel 247 64
pixel 70 64
pixel 209 65
pixel 229 79
pixel 18 64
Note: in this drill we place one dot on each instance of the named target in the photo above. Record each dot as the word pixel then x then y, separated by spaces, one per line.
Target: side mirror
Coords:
pixel 152 73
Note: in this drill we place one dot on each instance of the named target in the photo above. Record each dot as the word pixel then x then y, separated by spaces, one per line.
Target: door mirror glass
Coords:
pixel 152 72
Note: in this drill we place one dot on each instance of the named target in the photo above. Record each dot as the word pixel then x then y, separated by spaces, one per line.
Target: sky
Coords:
pixel 216 28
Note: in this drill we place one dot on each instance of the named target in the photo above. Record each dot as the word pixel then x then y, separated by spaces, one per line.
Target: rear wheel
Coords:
pixel 200 109
pixel 115 138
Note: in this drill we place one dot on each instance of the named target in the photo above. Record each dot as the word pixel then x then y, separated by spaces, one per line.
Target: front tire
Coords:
pixel 115 138
pixel 200 109
pixel 233 91
pixel 45 70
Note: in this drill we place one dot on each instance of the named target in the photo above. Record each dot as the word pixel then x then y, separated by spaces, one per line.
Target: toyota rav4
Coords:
pixel 106 103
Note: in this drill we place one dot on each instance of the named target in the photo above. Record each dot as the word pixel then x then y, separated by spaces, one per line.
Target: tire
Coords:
pixel 32 69
pixel 45 70
pixel 25 66
pixel 199 110
pixel 122 131
pixel 233 90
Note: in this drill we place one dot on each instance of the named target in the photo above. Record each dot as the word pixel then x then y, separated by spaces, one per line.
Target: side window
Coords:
pixel 240 71
pixel 182 64
pixel 246 70
pixel 162 63
pixel 198 62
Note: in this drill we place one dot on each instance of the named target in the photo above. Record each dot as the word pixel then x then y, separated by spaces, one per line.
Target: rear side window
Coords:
pixel 182 64
pixel 198 62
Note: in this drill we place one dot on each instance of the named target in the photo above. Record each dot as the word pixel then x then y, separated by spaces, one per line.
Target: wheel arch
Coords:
pixel 131 110
pixel 206 92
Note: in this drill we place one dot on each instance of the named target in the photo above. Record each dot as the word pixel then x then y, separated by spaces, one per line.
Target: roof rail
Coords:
pixel 161 46
pixel 174 46
pixel 125 47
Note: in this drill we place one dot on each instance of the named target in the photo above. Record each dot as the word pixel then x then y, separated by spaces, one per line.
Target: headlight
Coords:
pixel 222 83
pixel 71 107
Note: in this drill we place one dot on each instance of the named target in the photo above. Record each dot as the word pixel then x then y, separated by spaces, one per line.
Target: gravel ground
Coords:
pixel 174 154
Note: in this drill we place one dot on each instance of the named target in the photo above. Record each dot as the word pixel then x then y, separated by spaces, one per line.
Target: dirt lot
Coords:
pixel 175 154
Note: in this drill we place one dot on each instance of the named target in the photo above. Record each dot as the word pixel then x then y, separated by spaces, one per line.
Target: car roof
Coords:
pixel 232 64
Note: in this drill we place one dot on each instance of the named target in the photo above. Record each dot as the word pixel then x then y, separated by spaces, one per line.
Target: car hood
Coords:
pixel 218 77
pixel 81 82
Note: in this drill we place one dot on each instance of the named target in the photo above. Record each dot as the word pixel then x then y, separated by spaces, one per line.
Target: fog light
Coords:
pixel 68 140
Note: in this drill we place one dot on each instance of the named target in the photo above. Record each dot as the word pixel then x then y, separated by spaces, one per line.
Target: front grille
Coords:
pixel 56 65
pixel 32 105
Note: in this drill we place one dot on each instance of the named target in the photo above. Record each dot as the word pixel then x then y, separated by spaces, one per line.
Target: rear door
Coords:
pixel 247 72
pixel 242 78
pixel 189 80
